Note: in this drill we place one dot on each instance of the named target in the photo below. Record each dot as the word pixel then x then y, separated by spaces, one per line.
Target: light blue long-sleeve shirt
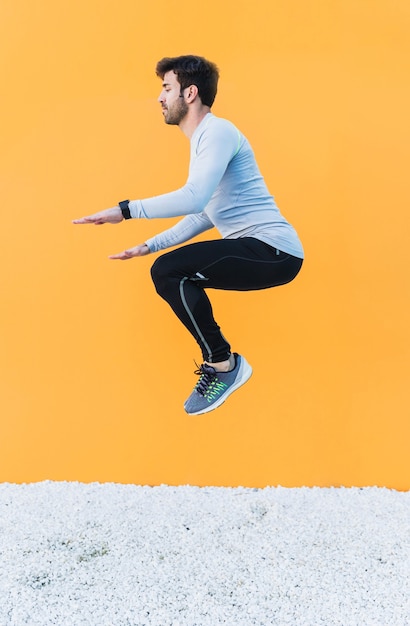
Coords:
pixel 224 189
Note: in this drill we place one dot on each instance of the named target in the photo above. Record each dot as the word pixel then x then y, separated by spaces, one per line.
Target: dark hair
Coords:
pixel 192 70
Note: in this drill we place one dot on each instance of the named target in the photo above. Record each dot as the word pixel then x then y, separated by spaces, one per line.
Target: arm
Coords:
pixel 185 229
pixel 216 147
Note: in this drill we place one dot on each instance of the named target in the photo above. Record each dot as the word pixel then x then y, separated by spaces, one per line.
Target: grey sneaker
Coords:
pixel 213 388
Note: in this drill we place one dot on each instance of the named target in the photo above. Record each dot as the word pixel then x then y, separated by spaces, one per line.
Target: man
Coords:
pixel 258 249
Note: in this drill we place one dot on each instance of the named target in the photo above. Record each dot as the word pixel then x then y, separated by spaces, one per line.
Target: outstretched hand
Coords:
pixel 114 216
pixel 109 216
pixel 140 250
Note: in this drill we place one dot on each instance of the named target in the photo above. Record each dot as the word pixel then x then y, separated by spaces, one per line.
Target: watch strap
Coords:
pixel 125 209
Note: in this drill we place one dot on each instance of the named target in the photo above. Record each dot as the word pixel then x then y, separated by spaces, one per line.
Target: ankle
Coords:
pixel 224 366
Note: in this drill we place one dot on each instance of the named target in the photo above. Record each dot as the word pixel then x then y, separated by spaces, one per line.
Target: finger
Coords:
pixel 85 220
pixel 121 256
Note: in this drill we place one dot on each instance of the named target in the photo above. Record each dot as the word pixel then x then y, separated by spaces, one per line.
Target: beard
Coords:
pixel 176 113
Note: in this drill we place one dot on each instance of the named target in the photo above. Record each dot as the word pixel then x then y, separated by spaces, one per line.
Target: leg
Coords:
pixel 181 277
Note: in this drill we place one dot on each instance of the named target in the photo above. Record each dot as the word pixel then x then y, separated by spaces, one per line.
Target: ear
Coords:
pixel 191 93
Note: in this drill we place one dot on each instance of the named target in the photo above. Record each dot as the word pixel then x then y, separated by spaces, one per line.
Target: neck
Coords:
pixel 192 120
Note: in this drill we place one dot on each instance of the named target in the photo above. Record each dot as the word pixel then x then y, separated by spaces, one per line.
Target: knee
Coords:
pixel 160 274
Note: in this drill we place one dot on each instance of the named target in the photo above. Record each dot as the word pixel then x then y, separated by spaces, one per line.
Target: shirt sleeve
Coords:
pixel 216 147
pixel 185 229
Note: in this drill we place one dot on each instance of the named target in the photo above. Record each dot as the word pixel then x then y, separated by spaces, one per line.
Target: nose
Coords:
pixel 161 97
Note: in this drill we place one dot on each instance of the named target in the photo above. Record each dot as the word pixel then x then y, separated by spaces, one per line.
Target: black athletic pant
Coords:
pixel 181 277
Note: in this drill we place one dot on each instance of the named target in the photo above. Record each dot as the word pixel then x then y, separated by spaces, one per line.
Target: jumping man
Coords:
pixel 259 248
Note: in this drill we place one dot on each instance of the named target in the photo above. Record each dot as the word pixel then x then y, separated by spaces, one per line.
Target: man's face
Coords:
pixel 174 107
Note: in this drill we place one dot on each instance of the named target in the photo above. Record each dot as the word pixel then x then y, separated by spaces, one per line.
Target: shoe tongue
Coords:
pixel 208 375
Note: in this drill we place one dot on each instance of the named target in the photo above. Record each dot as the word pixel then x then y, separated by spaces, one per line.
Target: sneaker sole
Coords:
pixel 244 374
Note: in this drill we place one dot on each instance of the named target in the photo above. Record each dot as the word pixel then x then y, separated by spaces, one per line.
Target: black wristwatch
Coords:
pixel 125 209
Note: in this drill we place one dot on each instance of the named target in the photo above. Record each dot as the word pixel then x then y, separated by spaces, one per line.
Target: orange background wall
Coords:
pixel 94 367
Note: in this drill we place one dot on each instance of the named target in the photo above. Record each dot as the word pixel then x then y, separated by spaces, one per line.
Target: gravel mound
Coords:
pixel 74 554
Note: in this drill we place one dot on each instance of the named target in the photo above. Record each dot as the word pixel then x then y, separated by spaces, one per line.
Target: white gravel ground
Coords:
pixel 76 554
